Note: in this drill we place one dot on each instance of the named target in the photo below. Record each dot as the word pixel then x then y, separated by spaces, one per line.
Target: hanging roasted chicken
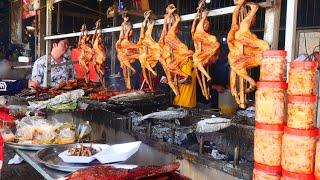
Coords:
pixel 206 48
pixel 150 50
pixel 99 53
pixel 245 49
pixel 86 51
pixel 166 57
pixel 179 52
pixel 127 51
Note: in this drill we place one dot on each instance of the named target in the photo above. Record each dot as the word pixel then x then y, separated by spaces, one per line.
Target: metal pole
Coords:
pixel 291 27
pixel 187 17
pixel 47 72
pixel 114 38
pixel 58 18
pixel 272 24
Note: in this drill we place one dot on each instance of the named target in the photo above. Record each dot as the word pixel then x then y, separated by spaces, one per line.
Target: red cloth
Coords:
pixel 6 118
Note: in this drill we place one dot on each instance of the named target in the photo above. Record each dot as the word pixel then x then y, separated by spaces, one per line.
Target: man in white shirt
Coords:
pixel 60 70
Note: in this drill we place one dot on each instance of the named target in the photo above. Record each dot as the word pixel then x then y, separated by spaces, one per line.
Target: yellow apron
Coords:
pixel 187 97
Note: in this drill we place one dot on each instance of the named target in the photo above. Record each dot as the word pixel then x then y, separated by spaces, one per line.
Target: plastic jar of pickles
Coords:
pixel 267 144
pixel 301 111
pixel 303 78
pixel 298 150
pixel 271 102
pixel 263 172
pixel 273 66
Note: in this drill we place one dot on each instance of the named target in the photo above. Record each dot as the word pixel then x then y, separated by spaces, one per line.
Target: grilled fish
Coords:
pixel 212 124
pixel 163 115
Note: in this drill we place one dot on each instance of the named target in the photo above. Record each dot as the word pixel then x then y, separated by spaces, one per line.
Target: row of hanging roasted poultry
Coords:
pixel 245 49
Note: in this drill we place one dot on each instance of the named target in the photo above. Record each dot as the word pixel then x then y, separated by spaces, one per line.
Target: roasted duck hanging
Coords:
pixel 99 53
pixel 245 49
pixel 127 51
pixel 206 48
pixel 86 51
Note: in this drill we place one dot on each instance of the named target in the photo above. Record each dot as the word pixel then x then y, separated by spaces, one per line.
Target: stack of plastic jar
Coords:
pixel 298 152
pixel 299 139
pixel 271 115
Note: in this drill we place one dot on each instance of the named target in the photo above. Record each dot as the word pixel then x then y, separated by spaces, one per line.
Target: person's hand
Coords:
pixel 218 88
pixel 32 84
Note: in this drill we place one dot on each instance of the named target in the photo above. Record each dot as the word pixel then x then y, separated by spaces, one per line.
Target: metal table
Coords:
pixel 46 172
pixel 146 155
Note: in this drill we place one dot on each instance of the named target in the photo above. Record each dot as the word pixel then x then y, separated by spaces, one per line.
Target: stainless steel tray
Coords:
pixel 32 147
pixel 49 157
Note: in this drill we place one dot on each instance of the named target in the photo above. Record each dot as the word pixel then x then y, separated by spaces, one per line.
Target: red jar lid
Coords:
pixel 268 169
pixel 269 127
pixel 262 84
pixel 304 64
pixel 301 132
pixel 297 175
pixel 275 53
pixel 302 99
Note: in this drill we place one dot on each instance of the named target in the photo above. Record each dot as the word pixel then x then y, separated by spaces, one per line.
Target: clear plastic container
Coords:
pixel 302 112
pixel 271 102
pixel 273 66
pixel 267 144
pixel 317 161
pixel 286 175
pixel 303 78
pixel 298 150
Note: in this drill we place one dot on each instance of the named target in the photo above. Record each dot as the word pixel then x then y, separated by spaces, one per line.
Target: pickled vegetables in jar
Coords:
pixel 267 144
pixel 303 78
pixel 271 102
pixel 301 112
pixel 298 150
pixel 273 66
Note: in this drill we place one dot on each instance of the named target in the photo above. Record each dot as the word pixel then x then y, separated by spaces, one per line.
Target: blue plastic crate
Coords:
pixel 12 87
